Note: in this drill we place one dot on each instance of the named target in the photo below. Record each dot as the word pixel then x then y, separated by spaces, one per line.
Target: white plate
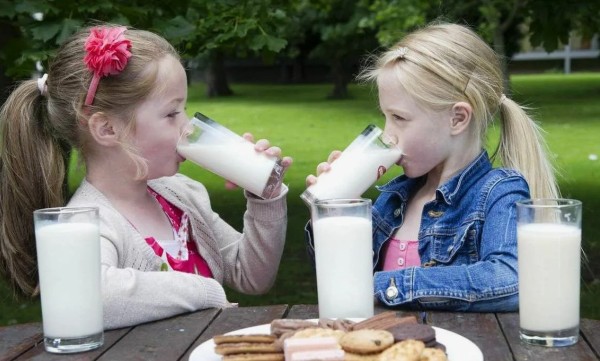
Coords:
pixel 458 348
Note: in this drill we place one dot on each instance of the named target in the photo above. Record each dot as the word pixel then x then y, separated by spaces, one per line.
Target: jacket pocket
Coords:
pixel 455 245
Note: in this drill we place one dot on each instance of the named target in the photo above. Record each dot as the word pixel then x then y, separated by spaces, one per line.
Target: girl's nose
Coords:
pixel 389 138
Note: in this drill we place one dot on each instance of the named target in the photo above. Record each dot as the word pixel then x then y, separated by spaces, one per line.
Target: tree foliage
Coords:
pixel 338 32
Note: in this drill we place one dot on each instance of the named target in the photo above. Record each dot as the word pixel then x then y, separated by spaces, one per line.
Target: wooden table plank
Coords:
pixel 110 338
pixel 304 312
pixel 312 311
pixel 590 330
pixel 231 319
pixel 17 339
pixel 522 351
pixel 481 328
pixel 167 339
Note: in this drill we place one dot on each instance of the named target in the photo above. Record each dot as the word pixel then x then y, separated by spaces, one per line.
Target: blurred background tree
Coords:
pixel 338 33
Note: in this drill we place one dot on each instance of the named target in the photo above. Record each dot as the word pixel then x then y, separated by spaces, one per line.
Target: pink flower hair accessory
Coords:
pixel 107 53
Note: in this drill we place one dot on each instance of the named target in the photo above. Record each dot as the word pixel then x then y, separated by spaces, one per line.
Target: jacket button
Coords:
pixel 397 212
pixel 392 291
pixel 435 214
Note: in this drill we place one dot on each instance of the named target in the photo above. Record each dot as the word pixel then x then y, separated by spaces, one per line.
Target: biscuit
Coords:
pixel 283 325
pixel 366 341
pixel 357 357
pixel 416 331
pixel 433 354
pixel 319 332
pixel 254 357
pixel 408 350
pixel 369 322
pixel 258 338
pixel 246 347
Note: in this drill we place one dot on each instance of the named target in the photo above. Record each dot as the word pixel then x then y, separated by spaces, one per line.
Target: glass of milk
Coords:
pixel 343 256
pixel 360 165
pixel 225 153
pixel 68 256
pixel 549 253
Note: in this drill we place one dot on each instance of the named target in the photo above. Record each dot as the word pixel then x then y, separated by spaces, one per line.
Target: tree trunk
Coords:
pixel 216 76
pixel 500 49
pixel 340 80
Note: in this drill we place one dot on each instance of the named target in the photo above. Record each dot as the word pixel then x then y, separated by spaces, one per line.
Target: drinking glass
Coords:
pixel 225 153
pixel 68 256
pixel 360 165
pixel 549 244
pixel 343 256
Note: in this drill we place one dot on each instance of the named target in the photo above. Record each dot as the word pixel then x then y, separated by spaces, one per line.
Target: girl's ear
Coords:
pixel 102 128
pixel 462 114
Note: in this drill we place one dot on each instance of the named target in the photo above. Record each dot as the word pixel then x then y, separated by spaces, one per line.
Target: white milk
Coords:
pixel 549 276
pixel 238 162
pixel 344 266
pixel 69 269
pixel 354 172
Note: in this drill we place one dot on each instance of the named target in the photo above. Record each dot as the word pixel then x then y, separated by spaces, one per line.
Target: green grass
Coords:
pixel 307 127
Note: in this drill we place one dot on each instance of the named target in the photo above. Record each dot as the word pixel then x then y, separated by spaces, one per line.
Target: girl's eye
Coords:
pixel 173 114
pixel 397 117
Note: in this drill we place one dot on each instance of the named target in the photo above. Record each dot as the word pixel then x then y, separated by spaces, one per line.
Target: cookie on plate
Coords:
pixel 366 341
pixel 247 347
pixel 408 350
pixel 415 331
pixel 319 332
pixel 433 354
pixel 254 357
pixel 253 338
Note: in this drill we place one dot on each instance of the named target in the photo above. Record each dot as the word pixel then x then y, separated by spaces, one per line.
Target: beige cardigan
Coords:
pixel 136 291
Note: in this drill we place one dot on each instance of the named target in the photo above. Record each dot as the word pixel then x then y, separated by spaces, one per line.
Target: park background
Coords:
pixel 284 70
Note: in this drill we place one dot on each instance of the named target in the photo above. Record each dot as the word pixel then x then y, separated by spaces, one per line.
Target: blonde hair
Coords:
pixel 442 64
pixel 38 132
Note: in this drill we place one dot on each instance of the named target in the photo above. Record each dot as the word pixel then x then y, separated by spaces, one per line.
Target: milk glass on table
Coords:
pixel 549 253
pixel 225 153
pixel 343 256
pixel 360 165
pixel 68 255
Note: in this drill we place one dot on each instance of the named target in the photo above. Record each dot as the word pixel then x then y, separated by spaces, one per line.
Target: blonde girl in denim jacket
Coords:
pixel 444 232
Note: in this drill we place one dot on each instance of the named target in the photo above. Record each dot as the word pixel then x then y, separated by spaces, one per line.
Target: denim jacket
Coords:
pixel 467 241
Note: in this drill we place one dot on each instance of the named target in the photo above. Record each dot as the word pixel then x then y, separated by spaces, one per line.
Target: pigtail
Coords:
pixel 522 147
pixel 32 174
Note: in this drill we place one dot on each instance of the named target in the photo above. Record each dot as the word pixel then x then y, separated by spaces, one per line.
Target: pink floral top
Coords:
pixel 400 254
pixel 180 254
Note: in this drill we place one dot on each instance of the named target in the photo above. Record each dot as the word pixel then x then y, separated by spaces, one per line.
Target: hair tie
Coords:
pixel 502 98
pixel 41 84
pixel 107 53
pixel 400 53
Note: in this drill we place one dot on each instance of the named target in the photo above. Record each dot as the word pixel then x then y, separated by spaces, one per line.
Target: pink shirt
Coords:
pixel 186 257
pixel 400 254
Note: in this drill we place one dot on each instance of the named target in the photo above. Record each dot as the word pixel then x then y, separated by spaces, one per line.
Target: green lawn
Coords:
pixel 307 127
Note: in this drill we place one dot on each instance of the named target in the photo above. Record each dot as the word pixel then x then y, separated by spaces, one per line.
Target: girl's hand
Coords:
pixel 263 145
pixel 323 167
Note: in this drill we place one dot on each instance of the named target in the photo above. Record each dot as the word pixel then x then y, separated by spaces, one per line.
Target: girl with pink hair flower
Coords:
pixel 118 96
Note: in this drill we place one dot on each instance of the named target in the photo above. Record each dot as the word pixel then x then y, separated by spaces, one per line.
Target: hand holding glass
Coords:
pixel 549 244
pixel 221 151
pixel 360 165
pixel 68 255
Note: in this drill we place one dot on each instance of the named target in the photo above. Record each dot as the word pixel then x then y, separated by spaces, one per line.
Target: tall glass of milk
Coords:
pixel 360 165
pixel 343 256
pixel 549 244
pixel 225 153
pixel 68 256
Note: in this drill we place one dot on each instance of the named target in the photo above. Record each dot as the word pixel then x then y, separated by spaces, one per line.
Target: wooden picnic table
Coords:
pixel 496 334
